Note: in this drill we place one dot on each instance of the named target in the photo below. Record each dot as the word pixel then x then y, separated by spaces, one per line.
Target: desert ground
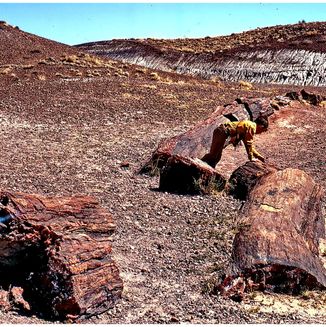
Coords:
pixel 75 126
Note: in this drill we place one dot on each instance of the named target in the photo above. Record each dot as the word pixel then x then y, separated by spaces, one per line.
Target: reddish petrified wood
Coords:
pixel 277 247
pixel 244 179
pixel 303 95
pixel 58 250
pixel 190 176
pixel 196 142
pixel 257 107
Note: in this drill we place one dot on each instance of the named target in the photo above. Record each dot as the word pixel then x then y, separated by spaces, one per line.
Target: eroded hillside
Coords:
pixel 290 54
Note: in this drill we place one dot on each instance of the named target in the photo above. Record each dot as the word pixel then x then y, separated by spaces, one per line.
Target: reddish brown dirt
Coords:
pixel 67 127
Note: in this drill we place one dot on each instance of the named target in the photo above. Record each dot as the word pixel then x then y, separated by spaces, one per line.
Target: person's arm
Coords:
pixel 249 145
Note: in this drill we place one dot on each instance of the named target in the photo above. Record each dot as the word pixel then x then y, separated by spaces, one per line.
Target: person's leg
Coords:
pixel 215 153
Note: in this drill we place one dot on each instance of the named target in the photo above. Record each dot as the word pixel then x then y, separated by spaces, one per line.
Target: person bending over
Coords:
pixel 234 133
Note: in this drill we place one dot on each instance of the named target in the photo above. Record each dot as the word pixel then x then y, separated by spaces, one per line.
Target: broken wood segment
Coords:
pixel 189 176
pixel 277 247
pixel 244 179
pixel 58 250
pixel 303 95
pixel 257 106
pixel 196 142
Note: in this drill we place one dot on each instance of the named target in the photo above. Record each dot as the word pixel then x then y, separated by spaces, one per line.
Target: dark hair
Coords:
pixel 262 120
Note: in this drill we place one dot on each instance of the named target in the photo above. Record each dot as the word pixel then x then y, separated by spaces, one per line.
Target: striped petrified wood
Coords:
pixel 58 250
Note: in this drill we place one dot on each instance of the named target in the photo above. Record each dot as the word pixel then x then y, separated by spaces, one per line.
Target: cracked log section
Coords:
pixel 277 247
pixel 186 150
pixel 56 252
pixel 190 176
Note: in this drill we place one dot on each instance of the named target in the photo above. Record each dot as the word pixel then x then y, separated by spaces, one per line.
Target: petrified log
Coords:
pixel 235 111
pixel 58 250
pixel 257 107
pixel 196 142
pixel 244 178
pixel 277 247
pixel 303 95
pixel 190 176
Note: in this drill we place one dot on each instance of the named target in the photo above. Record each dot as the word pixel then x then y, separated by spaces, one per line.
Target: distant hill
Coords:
pixel 289 54
pixel 18 47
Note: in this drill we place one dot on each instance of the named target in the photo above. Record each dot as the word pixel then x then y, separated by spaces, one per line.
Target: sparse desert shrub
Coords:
pixel 245 85
pixel 41 77
pixel 70 59
pixel 60 75
pixel 149 86
pixel 29 66
pixel 141 70
pixel 5 71
pixel 168 80
pixel 216 80
pixel 93 60
pixel 155 76
pixel 314 32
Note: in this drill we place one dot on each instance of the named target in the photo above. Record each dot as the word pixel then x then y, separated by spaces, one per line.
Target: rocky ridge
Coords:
pixel 290 54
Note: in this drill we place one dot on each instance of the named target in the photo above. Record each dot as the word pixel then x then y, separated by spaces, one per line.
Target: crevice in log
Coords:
pixel 246 105
pixel 231 117
pixel 25 259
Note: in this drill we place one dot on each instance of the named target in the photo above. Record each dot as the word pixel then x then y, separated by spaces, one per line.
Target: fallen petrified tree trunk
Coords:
pixel 190 176
pixel 277 247
pixel 196 142
pixel 58 250
pixel 312 98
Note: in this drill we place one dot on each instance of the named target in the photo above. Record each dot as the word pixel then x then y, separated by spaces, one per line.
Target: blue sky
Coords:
pixel 75 23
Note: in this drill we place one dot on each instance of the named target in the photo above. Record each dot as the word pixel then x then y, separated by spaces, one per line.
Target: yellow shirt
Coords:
pixel 243 131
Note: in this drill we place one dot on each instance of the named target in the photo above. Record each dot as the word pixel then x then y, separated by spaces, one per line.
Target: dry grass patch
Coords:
pixel 245 85
pixel 5 71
